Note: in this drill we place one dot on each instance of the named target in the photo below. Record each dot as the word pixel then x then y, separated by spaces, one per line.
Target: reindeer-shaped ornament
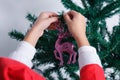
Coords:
pixel 60 48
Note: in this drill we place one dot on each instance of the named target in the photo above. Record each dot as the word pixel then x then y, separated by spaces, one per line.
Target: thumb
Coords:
pixel 67 18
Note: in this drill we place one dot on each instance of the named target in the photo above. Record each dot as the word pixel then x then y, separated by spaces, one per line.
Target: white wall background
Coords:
pixel 13 13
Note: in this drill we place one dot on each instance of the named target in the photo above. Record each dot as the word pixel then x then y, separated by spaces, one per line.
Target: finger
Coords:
pixel 51 14
pixel 73 12
pixel 67 17
pixel 52 19
pixel 48 14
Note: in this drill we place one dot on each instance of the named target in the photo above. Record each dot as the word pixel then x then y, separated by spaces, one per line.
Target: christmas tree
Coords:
pixel 107 43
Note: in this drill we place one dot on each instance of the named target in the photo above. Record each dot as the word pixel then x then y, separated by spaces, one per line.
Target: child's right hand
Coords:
pixel 77 27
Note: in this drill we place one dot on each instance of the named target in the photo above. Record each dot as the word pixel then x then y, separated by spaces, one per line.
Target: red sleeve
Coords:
pixel 92 72
pixel 13 70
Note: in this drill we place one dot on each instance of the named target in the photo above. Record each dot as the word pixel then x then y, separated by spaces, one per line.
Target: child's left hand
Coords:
pixel 44 20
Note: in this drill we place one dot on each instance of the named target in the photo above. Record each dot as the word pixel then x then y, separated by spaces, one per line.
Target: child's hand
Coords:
pixel 44 20
pixel 37 30
pixel 77 26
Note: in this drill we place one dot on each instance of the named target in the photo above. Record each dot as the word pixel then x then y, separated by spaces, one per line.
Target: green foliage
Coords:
pixel 96 12
pixel 45 55
pixel 110 9
pixel 70 5
pixel 31 18
pixel 16 35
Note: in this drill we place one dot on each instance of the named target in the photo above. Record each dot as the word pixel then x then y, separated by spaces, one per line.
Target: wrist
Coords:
pixel 37 32
pixel 32 37
pixel 82 41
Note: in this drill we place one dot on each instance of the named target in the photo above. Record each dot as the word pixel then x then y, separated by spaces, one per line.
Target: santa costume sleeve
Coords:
pixel 90 64
pixel 18 67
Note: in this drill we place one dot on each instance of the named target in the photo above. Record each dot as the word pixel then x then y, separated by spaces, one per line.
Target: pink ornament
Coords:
pixel 64 47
